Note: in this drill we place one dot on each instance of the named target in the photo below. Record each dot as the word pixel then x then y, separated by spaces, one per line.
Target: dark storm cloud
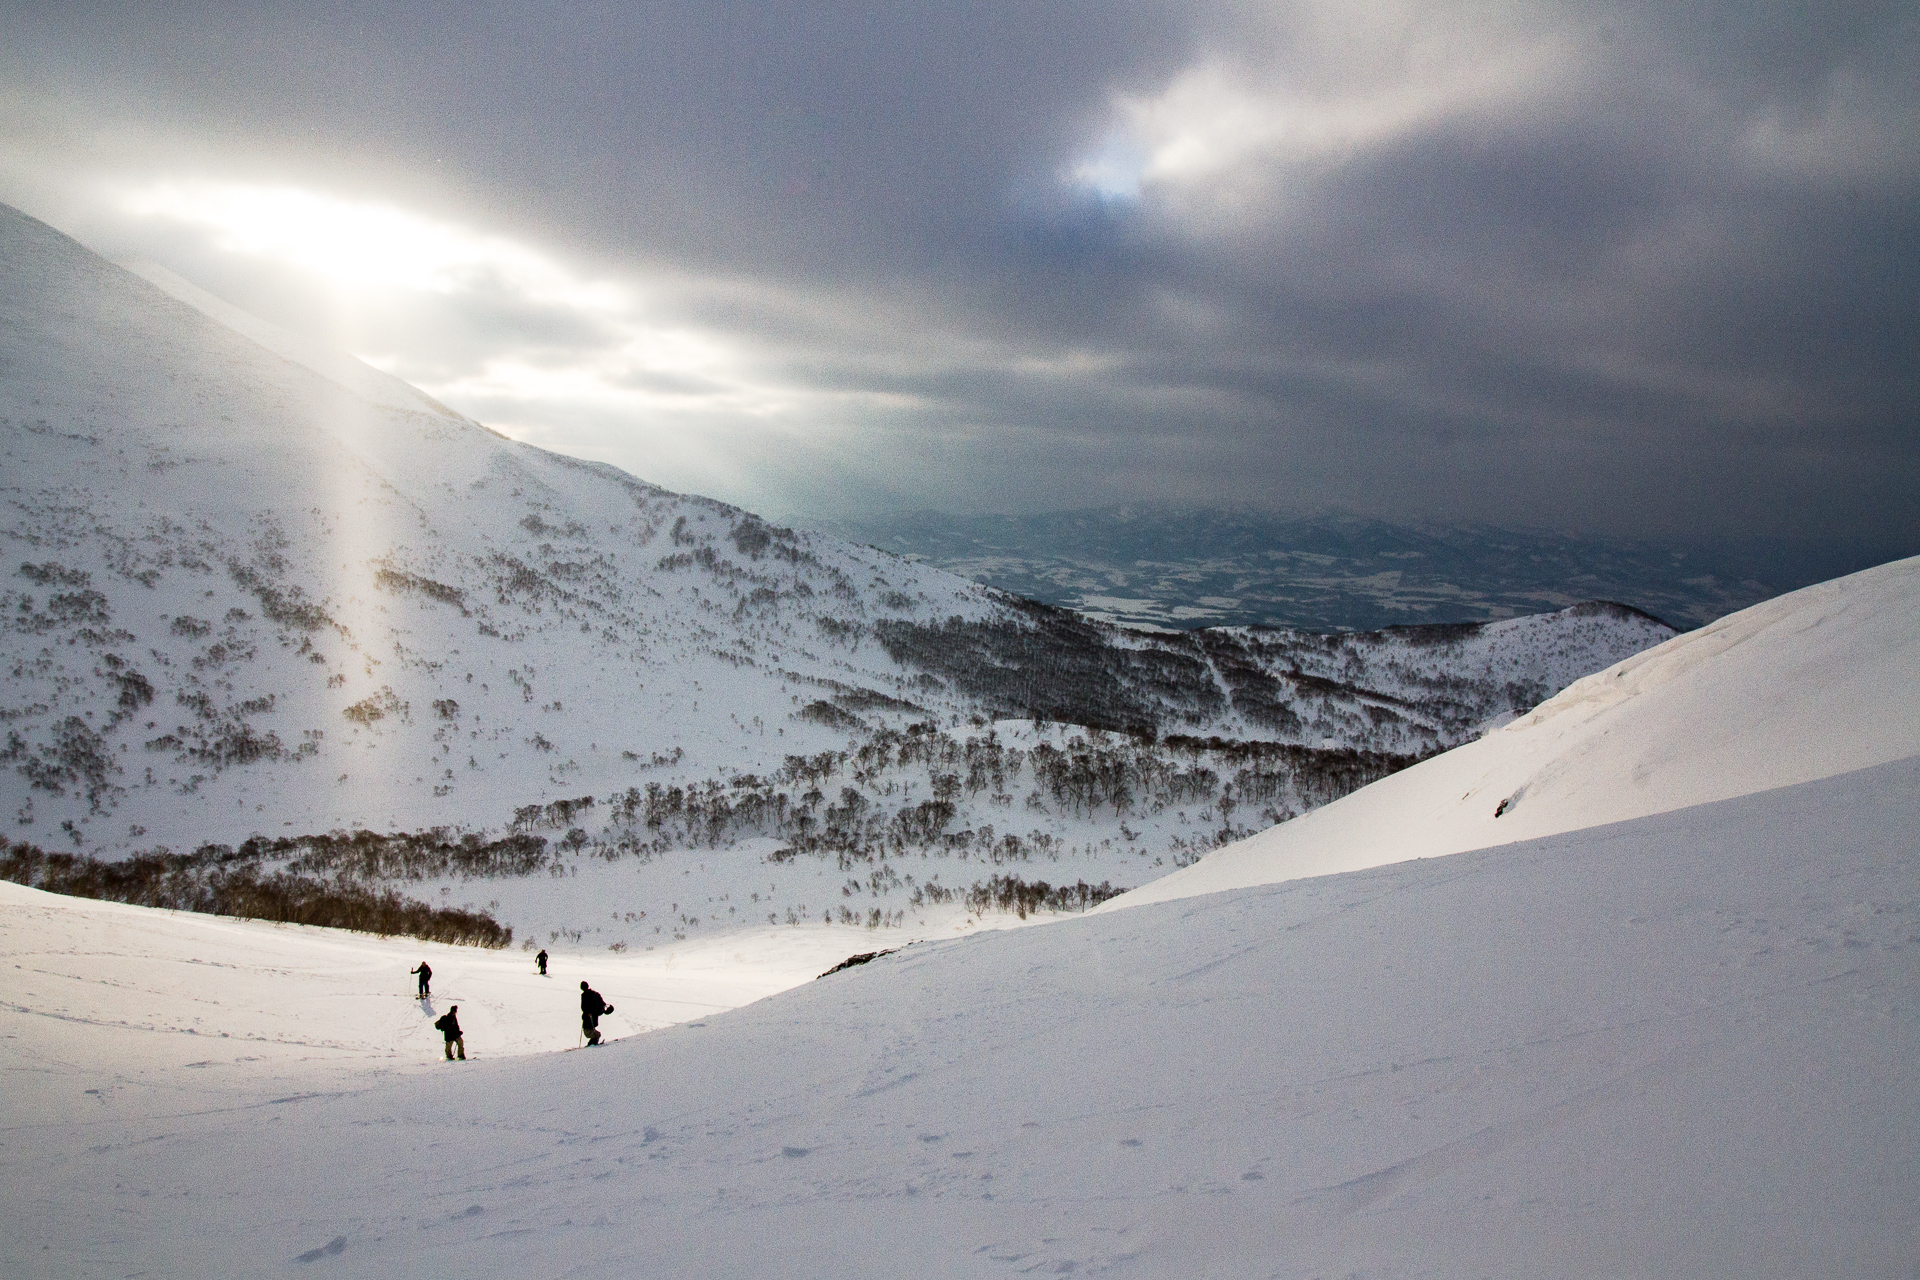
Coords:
pixel 1631 267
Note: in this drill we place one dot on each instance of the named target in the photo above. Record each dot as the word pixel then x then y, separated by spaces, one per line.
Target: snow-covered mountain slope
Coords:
pixel 1815 683
pixel 362 379
pixel 255 592
pixel 1682 1046
pixel 369 613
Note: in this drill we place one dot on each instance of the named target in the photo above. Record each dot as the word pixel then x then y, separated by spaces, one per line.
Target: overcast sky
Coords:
pixel 1640 268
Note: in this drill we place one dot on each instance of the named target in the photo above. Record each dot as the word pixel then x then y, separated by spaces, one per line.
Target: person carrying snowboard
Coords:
pixel 592 1007
pixel 449 1026
pixel 541 961
pixel 426 978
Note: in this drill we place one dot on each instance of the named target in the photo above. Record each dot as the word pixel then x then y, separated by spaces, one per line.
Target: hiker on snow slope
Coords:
pixel 591 1009
pixel 449 1026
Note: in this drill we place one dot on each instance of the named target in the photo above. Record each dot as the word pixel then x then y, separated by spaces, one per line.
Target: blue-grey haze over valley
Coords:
pixel 1182 568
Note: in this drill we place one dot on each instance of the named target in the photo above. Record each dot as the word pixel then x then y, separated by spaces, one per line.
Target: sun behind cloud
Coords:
pixel 366 247
pixel 554 353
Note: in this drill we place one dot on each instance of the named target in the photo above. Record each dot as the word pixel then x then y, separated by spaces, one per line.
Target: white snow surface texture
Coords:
pixel 1815 683
pixel 1683 1044
pixel 1679 1046
pixel 274 535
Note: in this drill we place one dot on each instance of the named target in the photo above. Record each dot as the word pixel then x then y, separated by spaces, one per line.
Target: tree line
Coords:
pixel 225 882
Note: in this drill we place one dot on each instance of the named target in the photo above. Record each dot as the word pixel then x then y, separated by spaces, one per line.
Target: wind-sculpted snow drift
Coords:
pixel 262 601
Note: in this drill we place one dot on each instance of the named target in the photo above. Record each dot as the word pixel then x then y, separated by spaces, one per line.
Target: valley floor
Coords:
pixel 1680 1045
pixel 115 1011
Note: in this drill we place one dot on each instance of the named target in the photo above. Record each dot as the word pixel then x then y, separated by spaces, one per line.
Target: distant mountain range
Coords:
pixel 1168 567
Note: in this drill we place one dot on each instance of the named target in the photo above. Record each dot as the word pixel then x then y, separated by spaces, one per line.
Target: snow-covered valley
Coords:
pixel 1622 982
pixel 1179 567
pixel 264 602
pixel 1681 1045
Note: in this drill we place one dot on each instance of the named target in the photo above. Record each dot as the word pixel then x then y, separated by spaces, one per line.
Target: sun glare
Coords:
pixel 502 330
pixel 359 246
pixel 367 253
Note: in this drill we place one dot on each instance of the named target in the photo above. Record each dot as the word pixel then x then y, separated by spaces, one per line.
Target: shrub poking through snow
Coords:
pixel 1011 893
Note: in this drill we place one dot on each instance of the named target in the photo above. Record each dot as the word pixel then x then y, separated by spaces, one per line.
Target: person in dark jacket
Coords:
pixel 592 1007
pixel 426 978
pixel 449 1025
pixel 541 961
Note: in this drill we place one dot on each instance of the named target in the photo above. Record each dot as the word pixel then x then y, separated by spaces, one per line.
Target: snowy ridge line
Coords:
pixel 345 371
pixel 1815 683
pixel 219 882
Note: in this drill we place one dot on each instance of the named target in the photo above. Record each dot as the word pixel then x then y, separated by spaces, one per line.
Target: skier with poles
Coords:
pixel 541 961
pixel 426 978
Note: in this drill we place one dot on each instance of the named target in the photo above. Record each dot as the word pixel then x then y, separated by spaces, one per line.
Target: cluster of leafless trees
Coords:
pixel 229 882
pixel 921 789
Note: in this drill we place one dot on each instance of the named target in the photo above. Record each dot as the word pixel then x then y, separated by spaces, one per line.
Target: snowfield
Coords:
pixel 159 1009
pixel 1656 1014
pixel 1679 1044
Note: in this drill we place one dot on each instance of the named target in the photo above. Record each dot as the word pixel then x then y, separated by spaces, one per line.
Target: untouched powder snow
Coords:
pixel 1679 1046
pixel 1809 685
